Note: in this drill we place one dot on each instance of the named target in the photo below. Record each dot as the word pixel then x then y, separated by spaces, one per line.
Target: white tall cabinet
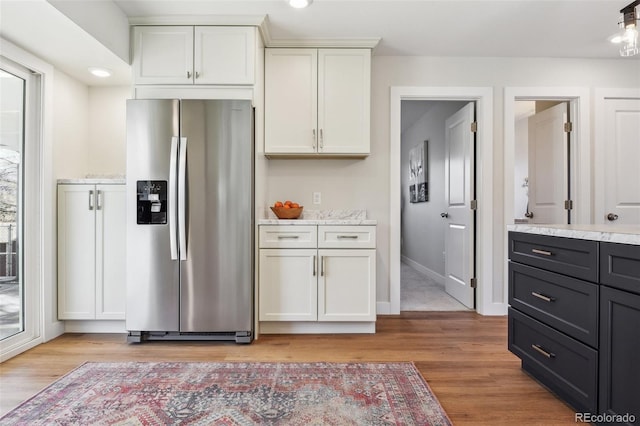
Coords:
pixel 91 251
pixel 317 101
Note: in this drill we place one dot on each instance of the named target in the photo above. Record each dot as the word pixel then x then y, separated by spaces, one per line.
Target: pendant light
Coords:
pixel 627 37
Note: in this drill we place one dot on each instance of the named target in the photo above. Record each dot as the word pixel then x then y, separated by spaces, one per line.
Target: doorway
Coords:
pixel 429 281
pixel 542 162
pixel 488 297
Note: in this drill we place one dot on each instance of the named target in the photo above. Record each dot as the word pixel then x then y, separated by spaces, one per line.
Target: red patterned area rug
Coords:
pixel 234 393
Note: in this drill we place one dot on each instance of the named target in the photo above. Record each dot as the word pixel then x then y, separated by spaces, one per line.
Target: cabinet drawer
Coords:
pixel 620 266
pixel 568 256
pixel 361 236
pixel 566 366
pixel 567 304
pixel 293 236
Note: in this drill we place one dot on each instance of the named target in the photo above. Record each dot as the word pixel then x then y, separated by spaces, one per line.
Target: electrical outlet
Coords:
pixel 317 198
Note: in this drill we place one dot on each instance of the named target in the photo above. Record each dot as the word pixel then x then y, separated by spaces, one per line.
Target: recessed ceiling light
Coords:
pixel 100 72
pixel 299 4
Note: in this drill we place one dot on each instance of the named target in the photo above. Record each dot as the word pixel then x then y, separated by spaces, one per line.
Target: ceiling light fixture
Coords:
pixel 100 72
pixel 300 4
pixel 627 37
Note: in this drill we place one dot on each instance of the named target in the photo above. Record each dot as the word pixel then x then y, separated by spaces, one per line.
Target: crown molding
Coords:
pixel 231 20
pixel 260 21
pixel 364 43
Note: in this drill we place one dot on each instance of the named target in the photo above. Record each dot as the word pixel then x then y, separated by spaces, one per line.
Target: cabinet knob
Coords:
pixel 612 216
pixel 444 215
pixel 188 74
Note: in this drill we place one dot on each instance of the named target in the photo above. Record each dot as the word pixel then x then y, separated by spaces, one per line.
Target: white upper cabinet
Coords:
pixel 344 87
pixel 224 55
pixel 291 101
pixel 211 55
pixel 317 102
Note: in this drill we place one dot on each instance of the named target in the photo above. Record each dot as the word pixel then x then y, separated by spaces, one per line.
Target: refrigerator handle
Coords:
pixel 182 198
pixel 173 186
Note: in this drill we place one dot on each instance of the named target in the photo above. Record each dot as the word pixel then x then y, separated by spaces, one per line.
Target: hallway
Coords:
pixel 421 293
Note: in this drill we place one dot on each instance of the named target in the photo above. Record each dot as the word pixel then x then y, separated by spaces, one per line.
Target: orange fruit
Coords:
pixel 287 203
pixel 295 205
pixel 287 206
pixel 278 204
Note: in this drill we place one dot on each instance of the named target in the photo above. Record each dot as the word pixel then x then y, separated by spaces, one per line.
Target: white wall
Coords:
pixel 107 130
pixel 422 238
pixel 70 127
pixel 365 183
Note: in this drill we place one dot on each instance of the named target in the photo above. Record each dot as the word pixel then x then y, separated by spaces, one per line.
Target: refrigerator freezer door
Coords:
pixel 152 277
pixel 216 292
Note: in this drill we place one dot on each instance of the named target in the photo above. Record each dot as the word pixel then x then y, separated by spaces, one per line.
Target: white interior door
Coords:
pixel 459 185
pixel 621 153
pixel 548 166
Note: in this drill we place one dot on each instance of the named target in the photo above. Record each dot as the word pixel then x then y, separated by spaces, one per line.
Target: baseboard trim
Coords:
pixel 423 270
pixel 285 327
pixel 94 326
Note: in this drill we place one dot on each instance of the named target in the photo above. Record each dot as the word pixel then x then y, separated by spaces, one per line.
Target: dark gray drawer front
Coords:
pixel 620 266
pixel 567 304
pixel 565 365
pixel 568 256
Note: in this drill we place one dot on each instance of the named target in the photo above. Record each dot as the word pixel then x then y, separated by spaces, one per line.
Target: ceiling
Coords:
pixel 512 28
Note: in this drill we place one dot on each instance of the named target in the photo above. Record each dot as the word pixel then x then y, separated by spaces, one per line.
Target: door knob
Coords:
pixel 612 216
pixel 445 215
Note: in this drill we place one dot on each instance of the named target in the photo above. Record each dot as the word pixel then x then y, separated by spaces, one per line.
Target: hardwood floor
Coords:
pixel 462 355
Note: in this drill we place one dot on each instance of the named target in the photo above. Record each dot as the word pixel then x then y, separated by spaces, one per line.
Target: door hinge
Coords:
pixel 474 126
pixel 474 204
pixel 568 127
pixel 568 204
pixel 474 282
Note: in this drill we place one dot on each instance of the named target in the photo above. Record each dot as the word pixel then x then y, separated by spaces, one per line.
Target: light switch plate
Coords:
pixel 317 198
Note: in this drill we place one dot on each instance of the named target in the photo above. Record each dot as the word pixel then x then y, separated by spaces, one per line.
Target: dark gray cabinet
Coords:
pixel 574 320
pixel 553 318
pixel 620 331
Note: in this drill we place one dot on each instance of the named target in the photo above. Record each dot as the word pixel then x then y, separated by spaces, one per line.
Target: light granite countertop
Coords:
pixel 96 180
pixel 320 217
pixel 625 234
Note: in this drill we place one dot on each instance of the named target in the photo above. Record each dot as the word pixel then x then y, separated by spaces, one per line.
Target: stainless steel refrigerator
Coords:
pixel 190 194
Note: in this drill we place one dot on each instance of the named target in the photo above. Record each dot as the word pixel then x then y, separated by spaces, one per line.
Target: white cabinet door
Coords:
pixel 76 251
pixel 346 285
pixel 224 55
pixel 291 82
pixel 548 147
pixel 163 54
pixel 620 147
pixel 344 86
pixel 110 251
pixel 288 285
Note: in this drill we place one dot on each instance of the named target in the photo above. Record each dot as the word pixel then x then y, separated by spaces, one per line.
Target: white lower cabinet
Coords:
pixel 302 281
pixel 91 252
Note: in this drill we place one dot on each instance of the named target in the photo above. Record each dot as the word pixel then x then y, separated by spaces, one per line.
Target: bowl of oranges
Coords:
pixel 287 210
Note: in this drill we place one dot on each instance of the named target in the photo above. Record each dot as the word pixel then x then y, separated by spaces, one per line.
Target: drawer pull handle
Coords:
pixel 314 266
pixel 543 297
pixel 347 237
pixel 288 237
pixel 542 252
pixel 539 349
